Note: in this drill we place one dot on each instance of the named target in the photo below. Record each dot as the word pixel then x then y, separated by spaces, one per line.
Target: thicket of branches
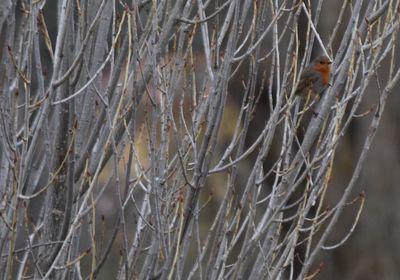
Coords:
pixel 126 103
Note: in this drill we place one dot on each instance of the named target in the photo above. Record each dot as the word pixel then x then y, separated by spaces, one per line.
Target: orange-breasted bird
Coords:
pixel 315 77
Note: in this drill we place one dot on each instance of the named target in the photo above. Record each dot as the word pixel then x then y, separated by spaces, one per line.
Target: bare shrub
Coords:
pixel 163 139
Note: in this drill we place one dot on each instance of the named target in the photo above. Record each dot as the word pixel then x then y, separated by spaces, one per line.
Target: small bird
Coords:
pixel 315 78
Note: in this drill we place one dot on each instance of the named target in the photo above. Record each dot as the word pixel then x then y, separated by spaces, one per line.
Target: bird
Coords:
pixel 315 78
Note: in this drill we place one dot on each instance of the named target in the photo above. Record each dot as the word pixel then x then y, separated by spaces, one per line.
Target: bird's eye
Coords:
pixel 321 62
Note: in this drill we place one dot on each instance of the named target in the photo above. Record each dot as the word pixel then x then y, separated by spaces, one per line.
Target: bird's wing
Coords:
pixel 307 79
